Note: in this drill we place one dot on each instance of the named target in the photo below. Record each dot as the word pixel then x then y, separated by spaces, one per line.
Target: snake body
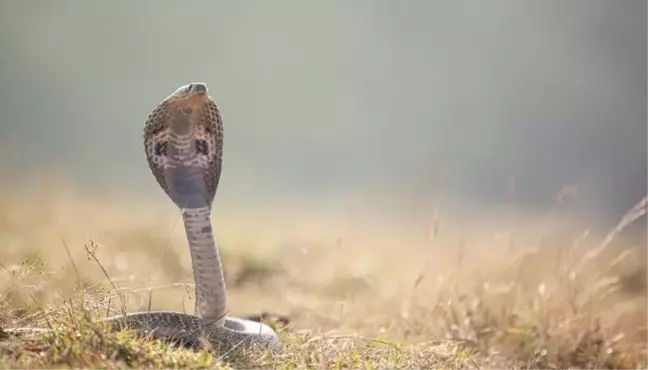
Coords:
pixel 183 141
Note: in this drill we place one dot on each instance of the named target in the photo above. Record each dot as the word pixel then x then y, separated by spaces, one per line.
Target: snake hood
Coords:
pixel 183 141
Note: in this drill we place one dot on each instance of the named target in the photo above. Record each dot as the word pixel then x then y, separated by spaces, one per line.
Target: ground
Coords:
pixel 341 293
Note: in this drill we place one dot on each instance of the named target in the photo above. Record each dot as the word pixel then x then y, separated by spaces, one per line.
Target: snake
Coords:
pixel 183 142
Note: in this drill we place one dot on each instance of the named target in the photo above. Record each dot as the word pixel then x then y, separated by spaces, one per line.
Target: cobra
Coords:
pixel 183 142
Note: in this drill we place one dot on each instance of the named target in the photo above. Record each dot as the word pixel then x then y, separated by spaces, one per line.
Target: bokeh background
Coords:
pixel 406 170
pixel 389 104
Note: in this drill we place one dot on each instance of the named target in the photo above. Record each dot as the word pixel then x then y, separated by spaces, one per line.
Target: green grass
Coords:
pixel 557 298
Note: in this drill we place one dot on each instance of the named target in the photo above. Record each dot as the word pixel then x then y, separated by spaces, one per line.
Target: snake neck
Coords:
pixel 211 300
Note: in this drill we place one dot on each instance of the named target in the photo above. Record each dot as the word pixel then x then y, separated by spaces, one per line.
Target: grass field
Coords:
pixel 538 294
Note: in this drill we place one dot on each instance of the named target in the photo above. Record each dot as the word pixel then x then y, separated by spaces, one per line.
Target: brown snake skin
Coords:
pixel 201 110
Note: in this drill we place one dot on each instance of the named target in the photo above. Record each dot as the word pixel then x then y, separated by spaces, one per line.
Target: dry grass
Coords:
pixel 371 296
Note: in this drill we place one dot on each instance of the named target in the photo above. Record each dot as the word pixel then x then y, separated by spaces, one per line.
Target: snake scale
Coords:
pixel 183 141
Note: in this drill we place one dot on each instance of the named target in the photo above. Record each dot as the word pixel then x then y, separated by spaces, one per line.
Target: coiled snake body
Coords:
pixel 183 140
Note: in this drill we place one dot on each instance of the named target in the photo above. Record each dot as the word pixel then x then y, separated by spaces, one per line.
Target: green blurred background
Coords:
pixel 323 99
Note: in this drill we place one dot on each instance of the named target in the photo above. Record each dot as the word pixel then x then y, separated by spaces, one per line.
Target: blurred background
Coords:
pixel 388 166
pixel 393 105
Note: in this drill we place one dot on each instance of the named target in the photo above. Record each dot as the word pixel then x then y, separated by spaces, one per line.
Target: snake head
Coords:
pixel 193 92
pixel 193 88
